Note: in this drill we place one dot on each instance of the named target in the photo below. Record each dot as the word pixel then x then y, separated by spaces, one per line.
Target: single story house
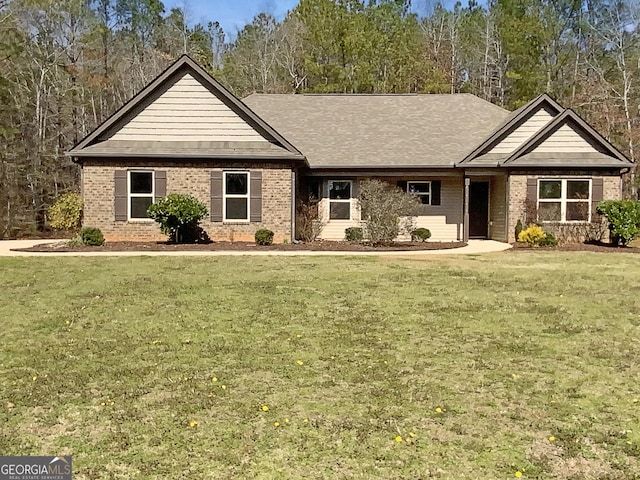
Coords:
pixel 476 168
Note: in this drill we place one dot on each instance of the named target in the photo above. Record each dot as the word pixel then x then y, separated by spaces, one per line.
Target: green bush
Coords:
pixel 518 228
pixel 624 219
pixel 179 217
pixel 549 240
pixel 353 234
pixel 66 213
pixel 264 237
pixel 91 236
pixel 420 235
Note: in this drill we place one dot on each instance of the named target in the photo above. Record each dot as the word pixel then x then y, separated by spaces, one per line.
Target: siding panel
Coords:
pixel 187 111
pixel 565 139
pixel 523 133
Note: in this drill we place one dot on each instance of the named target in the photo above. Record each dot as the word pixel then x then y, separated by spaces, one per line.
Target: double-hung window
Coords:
pixel 340 199
pixel 564 200
pixel 422 190
pixel 140 193
pixel 236 196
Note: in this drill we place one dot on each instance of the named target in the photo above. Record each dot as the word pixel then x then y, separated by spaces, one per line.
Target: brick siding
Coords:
pixel 98 187
pixel 612 190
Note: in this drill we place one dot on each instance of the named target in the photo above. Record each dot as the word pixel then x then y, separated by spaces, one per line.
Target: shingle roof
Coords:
pixel 380 130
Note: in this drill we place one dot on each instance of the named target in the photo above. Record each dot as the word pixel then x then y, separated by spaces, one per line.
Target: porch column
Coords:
pixel 467 182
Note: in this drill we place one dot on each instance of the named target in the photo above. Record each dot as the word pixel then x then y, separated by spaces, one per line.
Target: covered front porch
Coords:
pixel 455 206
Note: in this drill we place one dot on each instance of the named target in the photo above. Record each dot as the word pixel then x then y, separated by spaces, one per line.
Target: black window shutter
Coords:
pixel 160 184
pixel 436 187
pixel 597 194
pixel 216 196
pixel 120 207
pixel 402 185
pixel 255 204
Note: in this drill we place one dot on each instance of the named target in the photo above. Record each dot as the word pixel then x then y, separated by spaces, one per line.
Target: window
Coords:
pixel 339 199
pixel 566 200
pixel 236 196
pixel 422 190
pixel 140 194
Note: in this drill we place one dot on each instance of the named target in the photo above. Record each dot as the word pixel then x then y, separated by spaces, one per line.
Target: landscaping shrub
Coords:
pixel 624 219
pixel 179 217
pixel 308 224
pixel 91 236
pixel 518 228
pixel 420 235
pixel 533 235
pixel 353 234
pixel 264 237
pixel 549 240
pixel 66 213
pixel 387 211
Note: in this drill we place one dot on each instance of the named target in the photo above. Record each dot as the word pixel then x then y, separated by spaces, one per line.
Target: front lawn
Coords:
pixel 472 367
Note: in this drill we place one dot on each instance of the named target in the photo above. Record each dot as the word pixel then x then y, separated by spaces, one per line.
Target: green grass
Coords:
pixel 110 359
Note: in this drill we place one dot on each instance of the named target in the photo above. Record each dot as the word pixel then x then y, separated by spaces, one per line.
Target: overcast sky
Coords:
pixel 235 14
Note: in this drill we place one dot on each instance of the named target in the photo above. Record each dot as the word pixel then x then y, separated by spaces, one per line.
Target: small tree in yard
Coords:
pixel 387 211
pixel 624 220
pixel 179 217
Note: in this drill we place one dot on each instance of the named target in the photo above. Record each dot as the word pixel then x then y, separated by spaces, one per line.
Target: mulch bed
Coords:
pixel 320 246
pixel 576 247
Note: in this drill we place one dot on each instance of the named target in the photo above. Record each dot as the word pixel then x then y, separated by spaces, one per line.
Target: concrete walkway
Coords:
pixel 474 247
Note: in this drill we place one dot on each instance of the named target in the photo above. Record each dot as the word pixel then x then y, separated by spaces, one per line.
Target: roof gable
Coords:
pixel 521 125
pixel 184 104
pixel 567 136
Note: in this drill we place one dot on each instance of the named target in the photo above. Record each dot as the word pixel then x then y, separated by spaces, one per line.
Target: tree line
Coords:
pixel 66 65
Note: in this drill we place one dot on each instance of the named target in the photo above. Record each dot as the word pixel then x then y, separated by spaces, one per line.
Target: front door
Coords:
pixel 479 209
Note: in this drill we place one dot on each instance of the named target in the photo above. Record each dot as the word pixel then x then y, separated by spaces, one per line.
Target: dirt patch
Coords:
pixel 576 247
pixel 322 246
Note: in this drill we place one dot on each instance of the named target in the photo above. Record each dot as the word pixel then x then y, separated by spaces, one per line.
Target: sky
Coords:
pixel 235 14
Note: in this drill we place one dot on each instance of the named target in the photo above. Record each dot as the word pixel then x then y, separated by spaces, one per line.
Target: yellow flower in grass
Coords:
pixel 214 379
pixel 276 424
pixel 193 423
pixel 438 410
pixel 412 435
pixel 300 362
pixel 398 439
pixel 518 474
pixel 224 387
pixel 552 438
pixel 286 420
pixel 265 408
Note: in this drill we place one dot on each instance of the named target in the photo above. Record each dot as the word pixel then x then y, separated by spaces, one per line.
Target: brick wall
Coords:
pixel 612 190
pixel 98 187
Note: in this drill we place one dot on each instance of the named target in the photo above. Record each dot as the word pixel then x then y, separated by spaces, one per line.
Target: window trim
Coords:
pixel 419 194
pixel 226 195
pixel 563 200
pixel 329 182
pixel 131 195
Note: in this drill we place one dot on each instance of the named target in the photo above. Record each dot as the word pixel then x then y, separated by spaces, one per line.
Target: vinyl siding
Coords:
pixel 498 209
pixel 187 111
pixel 565 139
pixel 523 133
pixel 444 221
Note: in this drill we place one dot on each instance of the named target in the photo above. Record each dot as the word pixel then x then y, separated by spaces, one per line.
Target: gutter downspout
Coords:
pixel 467 182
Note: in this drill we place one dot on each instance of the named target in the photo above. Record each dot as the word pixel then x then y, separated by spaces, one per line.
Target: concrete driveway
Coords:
pixel 474 247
